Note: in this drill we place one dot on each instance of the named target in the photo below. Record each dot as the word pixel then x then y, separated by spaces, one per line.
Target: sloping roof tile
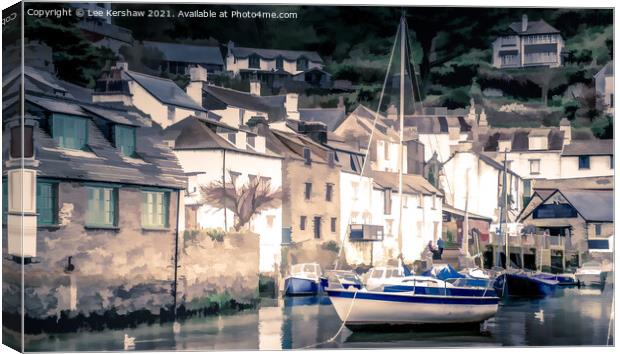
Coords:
pixel 165 90
pixel 593 205
pixel 244 52
pixel 188 53
pixel 534 27
pixel 272 105
pixel 589 147
pixel 331 117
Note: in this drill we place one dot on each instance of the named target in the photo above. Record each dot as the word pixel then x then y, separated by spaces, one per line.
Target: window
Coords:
pixel 317 227
pixel 333 224
pixel 584 162
pixel 307 156
pixel 611 162
pixel 171 112
pixel 253 179
pixel 386 148
pixel 302 64
pixel 16 142
pixel 387 201
pixel 611 100
pixel 70 132
pixel 331 159
pixel 279 63
pixel 302 222
pixel 329 188
pixel 420 200
pixel 47 203
pixel 598 229
pixel 434 201
pixel 308 190
pixel 125 139
pixel 254 61
pixel 155 209
pixel 234 176
pixel 101 210
pixel 534 167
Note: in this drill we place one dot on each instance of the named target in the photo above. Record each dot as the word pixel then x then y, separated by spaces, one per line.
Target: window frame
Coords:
pixel 316 225
pixel 90 219
pixel 583 162
pixel 165 212
pixel 58 130
pixel 302 64
pixel 532 161
pixel 329 192
pixel 17 141
pixel 53 220
pixel 121 146
pixel 333 224
pixel 280 63
pixel 308 190
pixel 302 222
pixel 254 59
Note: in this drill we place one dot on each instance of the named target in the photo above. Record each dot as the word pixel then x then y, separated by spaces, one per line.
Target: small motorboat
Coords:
pixel 522 284
pixel 303 280
pixel 565 279
pixel 590 274
pixel 342 278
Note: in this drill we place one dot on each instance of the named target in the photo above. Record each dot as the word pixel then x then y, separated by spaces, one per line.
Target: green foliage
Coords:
pixel 216 234
pixel 603 127
pixel 143 59
pixel 331 246
pixel 76 59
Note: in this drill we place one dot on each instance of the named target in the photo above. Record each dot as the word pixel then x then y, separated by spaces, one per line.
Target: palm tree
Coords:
pixel 245 201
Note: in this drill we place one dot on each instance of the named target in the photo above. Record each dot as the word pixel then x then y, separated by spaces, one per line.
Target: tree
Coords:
pixel 244 201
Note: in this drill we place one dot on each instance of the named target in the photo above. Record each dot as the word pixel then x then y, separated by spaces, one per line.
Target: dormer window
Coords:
pixel 302 64
pixel 254 61
pixel 125 139
pixel 279 63
pixel 70 132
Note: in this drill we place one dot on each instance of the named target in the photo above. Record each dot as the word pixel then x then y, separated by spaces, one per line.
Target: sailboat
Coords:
pixel 517 282
pixel 411 300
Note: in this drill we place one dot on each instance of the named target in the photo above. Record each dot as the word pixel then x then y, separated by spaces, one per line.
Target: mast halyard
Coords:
pixel 401 139
pixel 505 208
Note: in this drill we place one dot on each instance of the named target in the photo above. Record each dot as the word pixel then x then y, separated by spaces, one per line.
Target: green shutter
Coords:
pixel 70 132
pixel 155 207
pixel 125 139
pixel 47 203
pixel 102 202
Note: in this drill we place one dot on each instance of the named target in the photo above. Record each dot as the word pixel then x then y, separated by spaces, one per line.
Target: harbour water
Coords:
pixel 572 316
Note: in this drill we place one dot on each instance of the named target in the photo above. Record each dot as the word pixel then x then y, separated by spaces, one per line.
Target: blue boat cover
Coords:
pixel 443 272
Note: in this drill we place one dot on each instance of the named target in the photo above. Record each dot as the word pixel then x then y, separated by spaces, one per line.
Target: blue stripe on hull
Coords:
pixel 415 298
pixel 298 286
pixel 424 290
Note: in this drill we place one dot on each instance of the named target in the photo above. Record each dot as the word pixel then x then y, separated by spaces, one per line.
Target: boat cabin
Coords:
pixel 306 270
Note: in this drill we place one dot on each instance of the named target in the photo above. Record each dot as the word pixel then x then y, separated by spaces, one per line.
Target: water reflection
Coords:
pixel 573 316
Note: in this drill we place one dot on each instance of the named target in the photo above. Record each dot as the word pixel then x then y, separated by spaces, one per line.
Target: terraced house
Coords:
pixel 101 203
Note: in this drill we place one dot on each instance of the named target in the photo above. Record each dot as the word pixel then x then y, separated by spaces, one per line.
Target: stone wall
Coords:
pixel 217 271
pixel 124 269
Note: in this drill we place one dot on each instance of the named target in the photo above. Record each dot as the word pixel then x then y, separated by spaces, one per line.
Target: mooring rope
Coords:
pixel 332 338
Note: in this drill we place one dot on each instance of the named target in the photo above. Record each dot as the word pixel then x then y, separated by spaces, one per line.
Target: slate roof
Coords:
pixel 589 147
pixel 272 105
pixel 164 90
pixel 244 52
pixel 188 53
pixel 154 165
pixel 331 117
pixel 607 70
pixel 520 138
pixel 452 210
pixel 533 27
pixel 411 183
pixel 592 205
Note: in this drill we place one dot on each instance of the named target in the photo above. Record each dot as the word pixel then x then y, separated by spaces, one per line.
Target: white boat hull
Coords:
pixel 362 311
pixel 588 279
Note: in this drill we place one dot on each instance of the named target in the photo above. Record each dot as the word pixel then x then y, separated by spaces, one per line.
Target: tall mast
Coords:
pixel 400 145
pixel 465 245
pixel 505 208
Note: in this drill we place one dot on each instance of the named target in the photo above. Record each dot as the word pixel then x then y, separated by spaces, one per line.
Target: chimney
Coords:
pixel 483 124
pixel 341 102
pixel 566 128
pixel 524 23
pixel 198 81
pixel 291 104
pixel 392 113
pixel 112 87
pixel 254 87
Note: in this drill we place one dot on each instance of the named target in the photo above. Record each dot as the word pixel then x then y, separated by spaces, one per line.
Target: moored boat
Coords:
pixel 361 308
pixel 562 279
pixel 303 280
pixel 342 278
pixel 590 274
pixel 521 284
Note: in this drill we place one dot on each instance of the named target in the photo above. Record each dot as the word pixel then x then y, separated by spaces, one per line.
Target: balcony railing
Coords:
pixel 365 232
